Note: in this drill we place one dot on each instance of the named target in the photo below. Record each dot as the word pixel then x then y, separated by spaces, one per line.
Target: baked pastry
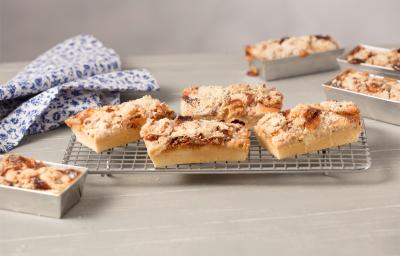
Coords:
pixel 389 59
pixel 356 81
pixel 111 126
pixel 240 103
pixel 24 172
pixel 184 140
pixel 290 46
pixel 309 127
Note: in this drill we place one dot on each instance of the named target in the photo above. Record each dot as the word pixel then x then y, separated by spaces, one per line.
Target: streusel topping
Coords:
pixel 307 121
pixel 356 81
pixel 229 103
pixel 100 122
pixel 290 46
pixel 389 59
pixel 165 134
pixel 23 172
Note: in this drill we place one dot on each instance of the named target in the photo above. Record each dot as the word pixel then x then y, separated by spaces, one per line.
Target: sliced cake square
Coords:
pixel 309 127
pixel 184 140
pixel 237 103
pixel 111 126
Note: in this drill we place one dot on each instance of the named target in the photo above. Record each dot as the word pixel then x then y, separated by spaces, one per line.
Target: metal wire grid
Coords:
pixel 133 158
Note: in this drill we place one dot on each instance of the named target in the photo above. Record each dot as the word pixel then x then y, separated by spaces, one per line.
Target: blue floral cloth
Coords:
pixel 72 76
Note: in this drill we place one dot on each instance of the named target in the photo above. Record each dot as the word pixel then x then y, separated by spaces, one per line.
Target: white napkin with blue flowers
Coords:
pixel 72 76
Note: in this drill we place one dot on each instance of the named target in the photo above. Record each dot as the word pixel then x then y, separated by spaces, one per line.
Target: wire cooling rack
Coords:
pixel 133 158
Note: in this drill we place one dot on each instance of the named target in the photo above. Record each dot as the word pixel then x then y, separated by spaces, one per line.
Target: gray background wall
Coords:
pixel 28 27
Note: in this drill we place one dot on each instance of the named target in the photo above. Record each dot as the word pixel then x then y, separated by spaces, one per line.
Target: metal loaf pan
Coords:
pixel 41 202
pixel 378 70
pixel 371 107
pixel 296 65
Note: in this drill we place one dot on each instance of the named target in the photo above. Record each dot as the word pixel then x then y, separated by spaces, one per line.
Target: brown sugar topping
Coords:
pixel 383 58
pixel 324 37
pixel 167 134
pixel 303 120
pixel 356 81
pixel 100 122
pixel 17 162
pixel 235 102
pixel 283 39
pixel 356 61
pixel 24 172
pixel 289 46
pixel 40 184
pixel 312 118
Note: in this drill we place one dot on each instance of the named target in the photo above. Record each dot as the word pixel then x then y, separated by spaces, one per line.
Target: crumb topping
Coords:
pixel 103 121
pixel 290 46
pixel 389 59
pixel 356 81
pixel 231 103
pixel 307 121
pixel 23 172
pixel 165 134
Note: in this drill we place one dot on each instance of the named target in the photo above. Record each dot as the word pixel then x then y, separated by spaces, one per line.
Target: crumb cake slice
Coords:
pixel 111 126
pixel 237 103
pixel 290 46
pixel 356 81
pixel 309 127
pixel 23 172
pixel 184 140
pixel 389 59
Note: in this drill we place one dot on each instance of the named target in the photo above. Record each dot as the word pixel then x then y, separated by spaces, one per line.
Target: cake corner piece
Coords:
pixel 107 127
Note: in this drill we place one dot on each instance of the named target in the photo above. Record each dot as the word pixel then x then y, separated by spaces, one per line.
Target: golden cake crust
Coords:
pixel 24 172
pixel 290 46
pixel 389 59
pixel 356 81
pixel 185 140
pixel 167 134
pixel 309 127
pixel 102 121
pixel 242 103
pixel 109 126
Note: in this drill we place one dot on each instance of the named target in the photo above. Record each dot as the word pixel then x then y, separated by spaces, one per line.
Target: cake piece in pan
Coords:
pixel 111 126
pixel 237 103
pixel 356 81
pixel 290 46
pixel 389 59
pixel 184 140
pixel 309 127
pixel 23 172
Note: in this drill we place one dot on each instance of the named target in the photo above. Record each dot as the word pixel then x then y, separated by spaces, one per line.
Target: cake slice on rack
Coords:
pixel 184 140
pixel 309 127
pixel 111 126
pixel 237 103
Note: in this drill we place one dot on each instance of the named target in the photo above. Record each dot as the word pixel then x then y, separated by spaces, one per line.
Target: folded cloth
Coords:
pixel 68 78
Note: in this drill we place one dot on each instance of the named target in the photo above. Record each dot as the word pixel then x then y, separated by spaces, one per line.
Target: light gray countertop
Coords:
pixel 346 214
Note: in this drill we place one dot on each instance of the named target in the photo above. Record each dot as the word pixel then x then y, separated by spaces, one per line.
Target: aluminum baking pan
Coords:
pixel 296 65
pixel 374 69
pixel 41 202
pixel 371 107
